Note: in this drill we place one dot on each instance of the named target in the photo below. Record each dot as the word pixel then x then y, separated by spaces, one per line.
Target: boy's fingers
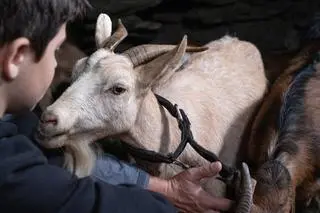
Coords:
pixel 209 170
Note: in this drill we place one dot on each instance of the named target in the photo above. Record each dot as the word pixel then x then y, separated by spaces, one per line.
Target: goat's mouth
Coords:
pixel 53 140
pixel 62 138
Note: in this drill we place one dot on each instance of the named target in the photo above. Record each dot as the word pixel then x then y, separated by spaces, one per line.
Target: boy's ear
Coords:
pixel 14 55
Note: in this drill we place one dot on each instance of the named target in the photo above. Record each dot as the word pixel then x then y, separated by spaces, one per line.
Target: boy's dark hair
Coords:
pixel 37 20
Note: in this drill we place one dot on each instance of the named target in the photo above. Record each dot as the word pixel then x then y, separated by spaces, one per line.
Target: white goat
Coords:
pixel 113 95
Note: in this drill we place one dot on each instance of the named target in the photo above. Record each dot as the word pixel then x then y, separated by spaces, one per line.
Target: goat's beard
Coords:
pixel 79 156
pixel 56 141
pixel 79 159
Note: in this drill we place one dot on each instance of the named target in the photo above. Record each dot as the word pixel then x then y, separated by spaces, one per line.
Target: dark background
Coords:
pixel 277 26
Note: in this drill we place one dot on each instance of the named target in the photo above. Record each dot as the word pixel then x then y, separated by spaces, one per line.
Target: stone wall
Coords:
pixel 273 25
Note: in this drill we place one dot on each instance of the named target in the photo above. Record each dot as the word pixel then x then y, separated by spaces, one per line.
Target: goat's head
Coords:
pixel 273 191
pixel 107 88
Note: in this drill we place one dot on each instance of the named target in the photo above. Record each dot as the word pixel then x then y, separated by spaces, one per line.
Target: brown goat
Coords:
pixel 284 141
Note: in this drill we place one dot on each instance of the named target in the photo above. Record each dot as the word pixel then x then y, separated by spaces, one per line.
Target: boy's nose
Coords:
pixel 49 117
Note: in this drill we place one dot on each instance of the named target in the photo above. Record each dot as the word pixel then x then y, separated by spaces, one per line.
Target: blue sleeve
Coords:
pixel 108 168
pixel 111 170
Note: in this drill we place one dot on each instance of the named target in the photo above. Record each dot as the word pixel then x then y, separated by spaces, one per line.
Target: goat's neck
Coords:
pixel 155 129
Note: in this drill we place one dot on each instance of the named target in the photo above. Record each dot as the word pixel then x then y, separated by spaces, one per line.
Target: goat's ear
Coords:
pixel 103 29
pixel 163 67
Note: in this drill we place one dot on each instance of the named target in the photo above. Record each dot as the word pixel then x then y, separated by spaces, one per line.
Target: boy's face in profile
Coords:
pixel 23 79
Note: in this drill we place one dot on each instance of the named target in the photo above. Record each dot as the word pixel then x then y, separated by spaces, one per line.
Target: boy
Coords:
pixel 30 33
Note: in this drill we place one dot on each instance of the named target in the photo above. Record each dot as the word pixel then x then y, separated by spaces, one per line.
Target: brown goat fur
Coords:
pixel 264 125
pixel 284 142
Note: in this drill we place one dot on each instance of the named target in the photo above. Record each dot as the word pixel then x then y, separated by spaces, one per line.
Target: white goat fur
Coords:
pixel 218 89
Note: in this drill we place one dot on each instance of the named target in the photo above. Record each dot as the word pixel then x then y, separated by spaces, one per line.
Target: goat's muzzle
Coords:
pixel 51 132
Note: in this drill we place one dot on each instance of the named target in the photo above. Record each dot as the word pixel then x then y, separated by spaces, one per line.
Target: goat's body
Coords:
pixel 111 95
pixel 286 163
pixel 305 163
pixel 219 90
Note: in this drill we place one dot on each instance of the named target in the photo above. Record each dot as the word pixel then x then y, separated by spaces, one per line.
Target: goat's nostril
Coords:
pixel 49 118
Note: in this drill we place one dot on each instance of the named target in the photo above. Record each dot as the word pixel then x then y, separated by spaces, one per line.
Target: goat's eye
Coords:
pixel 117 90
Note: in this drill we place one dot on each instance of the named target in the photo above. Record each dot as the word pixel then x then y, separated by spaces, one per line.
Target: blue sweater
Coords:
pixel 29 183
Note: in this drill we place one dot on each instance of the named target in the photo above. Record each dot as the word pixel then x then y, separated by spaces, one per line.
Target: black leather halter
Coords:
pixel 227 173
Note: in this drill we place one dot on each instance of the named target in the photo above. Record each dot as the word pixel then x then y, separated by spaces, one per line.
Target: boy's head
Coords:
pixel 30 33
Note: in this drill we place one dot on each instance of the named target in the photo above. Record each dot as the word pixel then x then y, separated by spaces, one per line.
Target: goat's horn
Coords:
pixel 246 191
pixel 146 52
pixel 114 40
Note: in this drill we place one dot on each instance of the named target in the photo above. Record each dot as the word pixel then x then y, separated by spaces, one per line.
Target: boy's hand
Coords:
pixel 185 192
